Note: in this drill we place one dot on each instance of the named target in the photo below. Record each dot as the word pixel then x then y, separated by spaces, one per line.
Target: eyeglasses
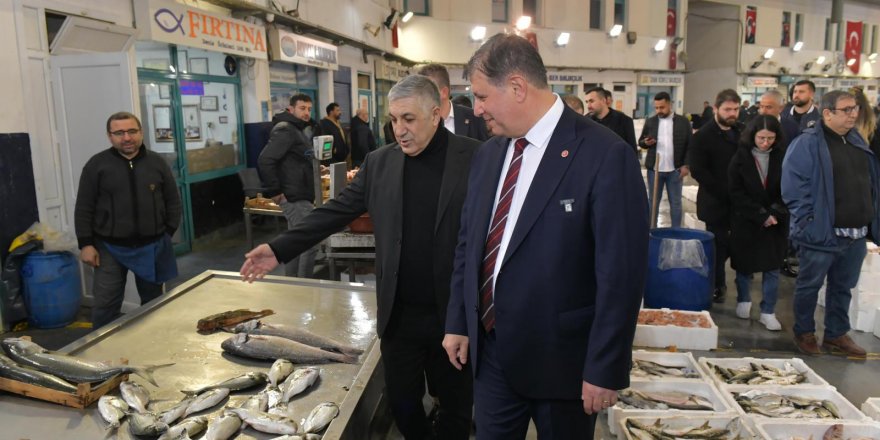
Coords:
pixel 848 110
pixel 762 139
pixel 121 133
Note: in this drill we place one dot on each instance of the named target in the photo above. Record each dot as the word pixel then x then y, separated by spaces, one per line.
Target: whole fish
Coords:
pixel 229 319
pixel 206 400
pixel 257 402
pixel 177 411
pixel 11 370
pixel 112 409
pixel 189 427
pixel 275 347
pixel 223 427
pixel 298 334
pixel 241 382
pixel 645 368
pixel 320 417
pixel 135 395
pixel 299 381
pixel 265 422
pixel 281 368
pixel 68 367
pixel 664 400
pixel 659 430
pixel 282 409
pixel 299 437
pixel 274 394
pixel 785 406
pixel 759 374
pixel 146 424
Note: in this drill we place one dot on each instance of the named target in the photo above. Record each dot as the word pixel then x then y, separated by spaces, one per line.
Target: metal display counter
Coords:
pixel 164 331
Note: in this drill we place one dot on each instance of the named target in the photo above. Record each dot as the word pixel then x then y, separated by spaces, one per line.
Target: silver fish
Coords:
pixel 641 367
pixel 298 334
pixel 135 395
pixel 241 382
pixel 664 400
pixel 206 400
pixel 275 347
pixel 146 424
pixel 784 406
pixel 275 395
pixel 281 368
pixel 189 427
pixel 174 413
pixel 112 409
pixel 299 437
pixel 257 402
pixel 68 367
pixel 223 427
pixel 299 381
pixel 320 417
pixel 265 422
pixel 659 430
pixel 282 409
pixel 11 370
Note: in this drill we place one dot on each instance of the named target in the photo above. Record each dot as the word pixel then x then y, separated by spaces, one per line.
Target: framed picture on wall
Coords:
pixel 224 119
pixel 208 103
pixel 192 122
pixel 162 123
pixel 164 91
pixel 198 65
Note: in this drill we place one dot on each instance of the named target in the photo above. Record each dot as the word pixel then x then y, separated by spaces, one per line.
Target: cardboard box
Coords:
pixel 738 428
pixel 705 390
pixel 690 338
pixel 671 360
pixel 811 377
pixel 785 430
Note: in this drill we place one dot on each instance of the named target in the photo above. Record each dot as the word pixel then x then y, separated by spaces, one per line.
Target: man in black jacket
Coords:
pixel 456 118
pixel 330 125
pixel 414 190
pixel 127 209
pixel 714 145
pixel 362 139
pixel 598 109
pixel 286 168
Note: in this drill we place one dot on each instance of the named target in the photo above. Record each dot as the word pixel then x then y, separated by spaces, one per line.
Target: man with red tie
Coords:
pixel 549 269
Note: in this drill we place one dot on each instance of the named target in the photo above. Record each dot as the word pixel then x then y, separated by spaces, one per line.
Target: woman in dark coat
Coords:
pixel 759 223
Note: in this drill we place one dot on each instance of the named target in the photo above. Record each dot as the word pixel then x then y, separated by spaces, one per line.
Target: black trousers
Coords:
pixel 412 353
pixel 722 244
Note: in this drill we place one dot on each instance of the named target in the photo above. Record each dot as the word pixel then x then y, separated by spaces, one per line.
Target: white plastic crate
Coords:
pixel 690 338
pixel 715 421
pixel 691 221
pixel 668 359
pixel 877 322
pixel 776 429
pixel 811 377
pixel 871 408
pixel 846 409
pixel 703 389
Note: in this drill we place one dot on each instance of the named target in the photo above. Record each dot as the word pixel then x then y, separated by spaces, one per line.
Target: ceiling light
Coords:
pixel 827 67
pixel 562 39
pixel 768 54
pixel 407 16
pixel 821 60
pixel 756 64
pixel 661 44
pixel 808 66
pixel 798 46
pixel 523 22
pixel 851 61
pixel 478 33
pixel 172 68
pixel 615 30
pixel 873 56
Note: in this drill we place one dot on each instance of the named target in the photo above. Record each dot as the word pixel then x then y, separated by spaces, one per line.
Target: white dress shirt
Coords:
pixel 449 122
pixel 538 137
pixel 664 146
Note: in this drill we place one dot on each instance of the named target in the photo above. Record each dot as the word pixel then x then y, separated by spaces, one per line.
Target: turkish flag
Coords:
pixel 751 20
pixel 853 48
pixel 394 42
pixel 673 58
pixel 670 22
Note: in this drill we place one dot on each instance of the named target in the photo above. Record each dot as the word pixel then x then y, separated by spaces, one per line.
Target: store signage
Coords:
pixel 761 81
pixel 196 88
pixel 390 71
pixel 787 79
pixel 295 48
pixel 823 82
pixel 660 79
pixel 178 24
pixel 847 83
pixel 564 78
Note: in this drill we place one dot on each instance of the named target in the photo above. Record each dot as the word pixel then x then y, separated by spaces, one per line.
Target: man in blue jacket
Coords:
pixel 830 182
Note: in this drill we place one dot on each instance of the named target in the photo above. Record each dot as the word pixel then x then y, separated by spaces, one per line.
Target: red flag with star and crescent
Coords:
pixel 670 22
pixel 853 48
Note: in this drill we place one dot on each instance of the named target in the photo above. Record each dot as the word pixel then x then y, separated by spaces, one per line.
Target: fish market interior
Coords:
pixel 440 219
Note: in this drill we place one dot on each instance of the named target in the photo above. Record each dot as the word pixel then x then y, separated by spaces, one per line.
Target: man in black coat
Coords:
pixel 457 119
pixel 331 125
pixel 414 190
pixel 598 109
pixel 714 145
pixel 362 139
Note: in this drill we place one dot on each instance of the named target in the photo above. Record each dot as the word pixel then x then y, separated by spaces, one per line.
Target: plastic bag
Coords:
pixel 53 239
pixel 683 254
pixel 13 307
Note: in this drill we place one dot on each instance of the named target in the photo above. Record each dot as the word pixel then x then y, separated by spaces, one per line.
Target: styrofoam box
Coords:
pixel 871 408
pixel 777 429
pixel 691 221
pixel 691 338
pixel 846 409
pixel 689 192
pixel 811 377
pixel 715 421
pixel 872 259
pixel 869 282
pixel 670 360
pixel 702 389
pixel 877 323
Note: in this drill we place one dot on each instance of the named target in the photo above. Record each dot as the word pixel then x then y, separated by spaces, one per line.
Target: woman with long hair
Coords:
pixel 866 122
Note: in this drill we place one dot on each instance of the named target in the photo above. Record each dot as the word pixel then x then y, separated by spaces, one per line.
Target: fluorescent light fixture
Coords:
pixel 821 60
pixel 873 56
pixel 768 54
pixel 562 39
pixel 615 30
pixel 798 46
pixel 661 44
pixel 523 22
pixel 478 33
pixel 172 69
pixel 851 61
pixel 406 17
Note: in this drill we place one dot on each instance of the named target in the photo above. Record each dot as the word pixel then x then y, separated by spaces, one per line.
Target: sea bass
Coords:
pixel 68 367
pixel 223 427
pixel 281 368
pixel 11 370
pixel 320 417
pixel 275 347
pixel 112 410
pixel 135 395
pixel 299 381
pixel 298 334
pixel 241 382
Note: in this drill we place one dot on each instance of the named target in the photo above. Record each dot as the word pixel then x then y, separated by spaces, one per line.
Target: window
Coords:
pixel 620 12
pixel 499 11
pixel 798 27
pixel 786 30
pixel 828 34
pixel 596 11
pixel 418 7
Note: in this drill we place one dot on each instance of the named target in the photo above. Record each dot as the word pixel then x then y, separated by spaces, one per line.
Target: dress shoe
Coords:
pixel 769 320
pixel 807 344
pixel 743 310
pixel 843 345
pixel 718 295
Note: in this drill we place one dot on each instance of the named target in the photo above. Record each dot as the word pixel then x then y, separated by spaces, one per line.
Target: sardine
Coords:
pixel 229 319
pixel 298 334
pixel 206 400
pixel 275 347
pixel 257 402
pixel 299 381
pixel 189 427
pixel 177 411
pixel 11 370
pixel 265 422
pixel 112 409
pixel 281 368
pixel 241 382
pixel 68 367
pixel 320 417
pixel 146 424
pixel 135 395
pixel 223 427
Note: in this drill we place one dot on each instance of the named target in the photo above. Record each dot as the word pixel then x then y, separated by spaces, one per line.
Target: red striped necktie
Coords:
pixel 496 232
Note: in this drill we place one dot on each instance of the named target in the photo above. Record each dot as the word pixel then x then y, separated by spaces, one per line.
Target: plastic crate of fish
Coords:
pixel 659 365
pixel 845 410
pixel 708 426
pixel 871 408
pixel 792 430
pixel 716 403
pixel 775 371
pixel 689 330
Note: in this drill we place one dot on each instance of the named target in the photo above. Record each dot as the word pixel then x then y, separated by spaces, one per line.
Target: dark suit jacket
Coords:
pixel 568 291
pixel 468 125
pixel 709 160
pixel 377 189
pixel 681 139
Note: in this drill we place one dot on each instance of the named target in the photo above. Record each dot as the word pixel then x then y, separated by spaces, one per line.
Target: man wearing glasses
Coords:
pixel 830 182
pixel 127 209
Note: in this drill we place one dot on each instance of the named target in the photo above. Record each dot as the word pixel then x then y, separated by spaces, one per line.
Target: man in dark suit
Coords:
pixel 545 296
pixel 414 190
pixel 457 119
pixel 332 126
pixel 668 134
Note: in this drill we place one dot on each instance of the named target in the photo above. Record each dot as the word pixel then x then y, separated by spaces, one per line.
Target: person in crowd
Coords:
pixel 574 103
pixel 668 135
pixel 286 167
pixel 707 114
pixel 362 139
pixel 598 109
pixel 457 119
pixel 127 208
pixel 771 104
pixel 759 218
pixel 546 196
pixel 331 125
pixel 831 185
pixel 714 145
pixel 747 112
pixel 388 132
pixel 413 190
pixel 803 111
pixel 866 122
pixel 463 101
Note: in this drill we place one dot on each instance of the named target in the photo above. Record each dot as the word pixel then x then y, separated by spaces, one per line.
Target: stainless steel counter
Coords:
pixel 165 331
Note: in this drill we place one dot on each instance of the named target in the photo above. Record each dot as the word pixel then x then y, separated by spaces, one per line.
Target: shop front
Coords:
pixel 753 87
pixel 387 74
pixel 650 84
pixel 294 67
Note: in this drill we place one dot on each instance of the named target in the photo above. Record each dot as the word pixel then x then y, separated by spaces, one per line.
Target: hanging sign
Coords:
pixel 295 48
pixel 389 70
pixel 761 81
pixel 661 79
pixel 564 78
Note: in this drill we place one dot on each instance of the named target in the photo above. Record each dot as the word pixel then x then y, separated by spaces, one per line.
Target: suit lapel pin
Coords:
pixel 564 153
pixel 467 121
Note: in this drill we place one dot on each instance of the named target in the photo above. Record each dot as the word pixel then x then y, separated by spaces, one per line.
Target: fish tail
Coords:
pixel 352 351
pixel 147 372
pixel 349 359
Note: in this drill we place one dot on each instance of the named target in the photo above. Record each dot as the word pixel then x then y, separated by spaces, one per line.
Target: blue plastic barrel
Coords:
pixel 51 287
pixel 683 288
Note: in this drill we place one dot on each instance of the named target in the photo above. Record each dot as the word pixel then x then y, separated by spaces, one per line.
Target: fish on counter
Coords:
pixel 790 407
pixel 241 382
pixel 257 402
pixel 834 432
pixel 645 368
pixel 70 368
pixel 230 318
pixel 299 437
pixel 299 381
pixel 208 399
pixel 223 427
pixel 661 431
pixel 11 370
pixel 759 374
pixel 265 422
pixel 320 417
pixel 298 334
pixel 135 395
pixel 279 371
pixel 175 412
pixel 146 424
pixel 185 429
pixel 112 409
pixel 276 347
pixel 663 400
